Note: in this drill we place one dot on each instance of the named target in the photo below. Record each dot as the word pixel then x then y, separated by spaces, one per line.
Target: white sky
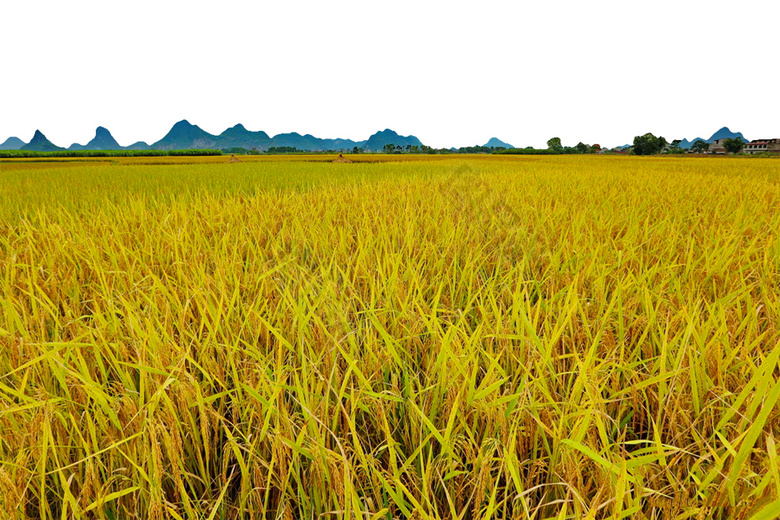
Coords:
pixel 452 73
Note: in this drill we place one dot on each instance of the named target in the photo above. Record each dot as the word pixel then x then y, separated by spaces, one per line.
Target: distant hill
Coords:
pixel 310 143
pixel 39 143
pixel 140 145
pixel 184 135
pixel 723 133
pixel 686 144
pixel 302 142
pixel 378 141
pixel 12 143
pixel 103 140
pixel 497 143
pixel 239 137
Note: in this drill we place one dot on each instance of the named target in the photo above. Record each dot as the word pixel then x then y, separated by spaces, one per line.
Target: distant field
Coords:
pixel 465 337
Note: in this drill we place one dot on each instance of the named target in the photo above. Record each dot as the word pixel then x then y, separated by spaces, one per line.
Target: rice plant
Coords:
pixel 461 338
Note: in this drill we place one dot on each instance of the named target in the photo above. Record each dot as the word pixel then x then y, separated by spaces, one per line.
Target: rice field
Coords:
pixel 432 338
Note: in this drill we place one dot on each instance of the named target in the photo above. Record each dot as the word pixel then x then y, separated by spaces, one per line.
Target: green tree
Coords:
pixel 582 147
pixel 648 144
pixel 700 146
pixel 674 147
pixel 733 145
pixel 555 145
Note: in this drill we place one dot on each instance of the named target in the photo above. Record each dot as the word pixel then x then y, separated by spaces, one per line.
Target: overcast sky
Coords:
pixel 452 73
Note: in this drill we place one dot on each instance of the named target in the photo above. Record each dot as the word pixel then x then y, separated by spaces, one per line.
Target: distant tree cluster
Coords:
pixel 648 144
pixel 555 146
pixel 526 151
pixel 674 148
pixel 276 150
pixel 431 151
pixel 733 145
pixel 241 151
pixel 409 148
pixel 480 149
pixel 423 149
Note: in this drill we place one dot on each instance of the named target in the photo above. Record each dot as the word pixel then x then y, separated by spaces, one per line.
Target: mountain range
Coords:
pixel 723 133
pixel 184 135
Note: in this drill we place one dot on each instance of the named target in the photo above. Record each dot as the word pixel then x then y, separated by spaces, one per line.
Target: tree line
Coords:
pixel 13 154
pixel 648 144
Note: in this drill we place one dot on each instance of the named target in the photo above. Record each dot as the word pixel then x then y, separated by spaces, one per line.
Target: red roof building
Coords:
pixel 762 146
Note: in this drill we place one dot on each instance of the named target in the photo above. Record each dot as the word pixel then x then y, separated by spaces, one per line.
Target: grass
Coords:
pixel 464 337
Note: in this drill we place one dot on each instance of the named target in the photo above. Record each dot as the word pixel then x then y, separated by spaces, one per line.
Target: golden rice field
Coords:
pixel 459 338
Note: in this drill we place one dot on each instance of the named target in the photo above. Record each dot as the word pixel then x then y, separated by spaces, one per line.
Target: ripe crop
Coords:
pixel 466 337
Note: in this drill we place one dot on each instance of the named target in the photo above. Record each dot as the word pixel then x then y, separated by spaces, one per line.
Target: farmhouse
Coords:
pixel 762 146
pixel 716 146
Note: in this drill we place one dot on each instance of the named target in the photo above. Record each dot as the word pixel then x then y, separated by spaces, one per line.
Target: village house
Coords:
pixel 716 146
pixel 762 146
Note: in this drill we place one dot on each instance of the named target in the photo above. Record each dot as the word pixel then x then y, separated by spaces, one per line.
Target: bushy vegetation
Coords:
pixel 241 151
pixel 734 145
pixel 445 337
pixel 106 153
pixel 700 146
pixel 648 144
pixel 480 149
pixel 283 150
pixel 527 151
